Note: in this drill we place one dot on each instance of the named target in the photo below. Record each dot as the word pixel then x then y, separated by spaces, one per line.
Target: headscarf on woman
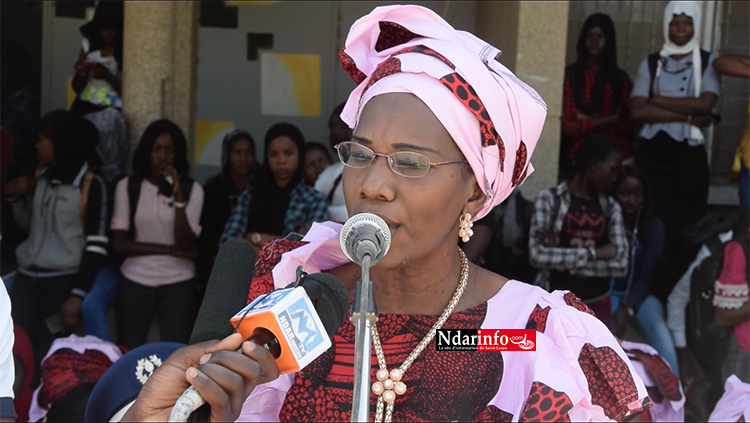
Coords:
pixel 693 10
pixel 609 72
pixel 269 201
pixel 494 118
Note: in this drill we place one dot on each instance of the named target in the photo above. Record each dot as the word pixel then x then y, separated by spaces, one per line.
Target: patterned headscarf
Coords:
pixel 65 369
pixel 494 118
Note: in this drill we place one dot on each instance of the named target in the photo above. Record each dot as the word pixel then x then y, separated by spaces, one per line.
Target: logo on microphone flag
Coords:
pixel 291 317
pixel 485 340
pixel 300 328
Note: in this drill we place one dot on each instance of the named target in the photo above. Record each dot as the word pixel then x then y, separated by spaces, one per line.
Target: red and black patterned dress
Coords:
pixel 565 379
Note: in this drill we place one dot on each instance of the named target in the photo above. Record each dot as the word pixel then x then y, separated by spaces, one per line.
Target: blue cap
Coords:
pixel 121 383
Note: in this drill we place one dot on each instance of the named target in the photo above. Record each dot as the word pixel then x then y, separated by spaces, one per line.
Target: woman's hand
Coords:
pixel 70 313
pixel 172 172
pixel 23 185
pixel 702 121
pixel 607 252
pixel 544 236
pixel 223 377
pixel 82 69
pixel 190 254
pixel 581 115
pixel 98 71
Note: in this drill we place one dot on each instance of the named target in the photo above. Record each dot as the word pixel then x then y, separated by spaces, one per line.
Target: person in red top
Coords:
pixel 596 93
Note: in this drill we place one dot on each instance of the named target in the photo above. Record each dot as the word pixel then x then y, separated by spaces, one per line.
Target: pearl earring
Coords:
pixel 465 224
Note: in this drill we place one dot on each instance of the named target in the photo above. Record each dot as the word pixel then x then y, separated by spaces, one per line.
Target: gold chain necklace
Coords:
pixel 389 383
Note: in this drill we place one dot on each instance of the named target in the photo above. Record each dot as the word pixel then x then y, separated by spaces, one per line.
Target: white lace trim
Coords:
pixel 726 290
pixel 730 303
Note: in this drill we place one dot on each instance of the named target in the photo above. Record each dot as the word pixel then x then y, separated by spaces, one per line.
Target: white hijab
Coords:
pixel 693 10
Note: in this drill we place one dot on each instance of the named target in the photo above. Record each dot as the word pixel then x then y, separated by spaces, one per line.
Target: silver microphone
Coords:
pixel 365 234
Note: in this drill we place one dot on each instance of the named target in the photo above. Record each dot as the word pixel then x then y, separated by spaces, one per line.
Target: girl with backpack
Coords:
pixel 64 210
pixel 673 96
pixel 631 298
pixel 155 223
pixel 577 238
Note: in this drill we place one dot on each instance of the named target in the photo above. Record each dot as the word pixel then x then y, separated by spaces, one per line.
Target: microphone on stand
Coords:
pixel 295 323
pixel 365 240
pixel 365 234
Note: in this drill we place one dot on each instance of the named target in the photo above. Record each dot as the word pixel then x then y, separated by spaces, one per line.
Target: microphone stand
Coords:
pixel 364 299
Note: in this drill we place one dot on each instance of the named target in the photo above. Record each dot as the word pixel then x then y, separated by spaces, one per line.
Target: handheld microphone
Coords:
pixel 365 234
pixel 226 291
pixel 295 324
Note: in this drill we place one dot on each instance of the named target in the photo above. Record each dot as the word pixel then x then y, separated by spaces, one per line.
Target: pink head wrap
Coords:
pixel 494 118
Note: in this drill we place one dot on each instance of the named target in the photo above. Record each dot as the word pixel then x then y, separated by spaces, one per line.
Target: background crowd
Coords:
pixel 627 229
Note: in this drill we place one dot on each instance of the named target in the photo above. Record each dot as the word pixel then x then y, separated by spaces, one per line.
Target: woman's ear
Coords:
pixel 476 201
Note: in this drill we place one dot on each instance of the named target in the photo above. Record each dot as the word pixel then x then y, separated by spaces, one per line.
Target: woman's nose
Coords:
pixel 377 180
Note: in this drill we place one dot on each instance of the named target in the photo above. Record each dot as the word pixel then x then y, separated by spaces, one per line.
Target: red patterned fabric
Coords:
pixel 269 257
pixel 575 302
pixel 65 369
pixel 581 129
pixel 666 381
pixel 443 386
pixel 519 169
pixel 546 405
pixel 609 378
pixel 350 67
pixel 323 390
pixel 391 35
pixel 538 319
pixel 389 67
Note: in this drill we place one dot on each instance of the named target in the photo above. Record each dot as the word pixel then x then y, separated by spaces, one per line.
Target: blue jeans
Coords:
pixel 98 300
pixel 651 323
pixel 743 185
pixel 9 282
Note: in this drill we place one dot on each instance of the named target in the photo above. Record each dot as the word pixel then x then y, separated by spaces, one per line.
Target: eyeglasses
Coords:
pixel 405 163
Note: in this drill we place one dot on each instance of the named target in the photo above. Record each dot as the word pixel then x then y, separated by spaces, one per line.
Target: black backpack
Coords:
pixel 654 58
pixel 707 340
pixel 134 192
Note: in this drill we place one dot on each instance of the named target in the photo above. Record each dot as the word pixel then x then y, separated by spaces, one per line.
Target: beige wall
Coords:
pixel 497 23
pixel 532 37
pixel 540 61
pixel 160 41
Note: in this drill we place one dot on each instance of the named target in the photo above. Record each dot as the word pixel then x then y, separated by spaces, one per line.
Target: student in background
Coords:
pixel 596 94
pixel 739 66
pixel 19 109
pixel 631 299
pixel 97 81
pixel 280 202
pixel 329 182
pixel 65 211
pixel 317 159
pixel 673 95
pixel 238 167
pixel 577 238
pixel 155 224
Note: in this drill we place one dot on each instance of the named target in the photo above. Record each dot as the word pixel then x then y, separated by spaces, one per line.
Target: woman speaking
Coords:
pixel 442 134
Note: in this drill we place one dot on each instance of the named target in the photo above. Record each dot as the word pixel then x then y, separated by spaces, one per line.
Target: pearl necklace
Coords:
pixel 389 383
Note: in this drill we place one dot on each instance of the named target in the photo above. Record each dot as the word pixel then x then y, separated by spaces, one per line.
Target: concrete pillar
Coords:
pixel 532 36
pixel 160 66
